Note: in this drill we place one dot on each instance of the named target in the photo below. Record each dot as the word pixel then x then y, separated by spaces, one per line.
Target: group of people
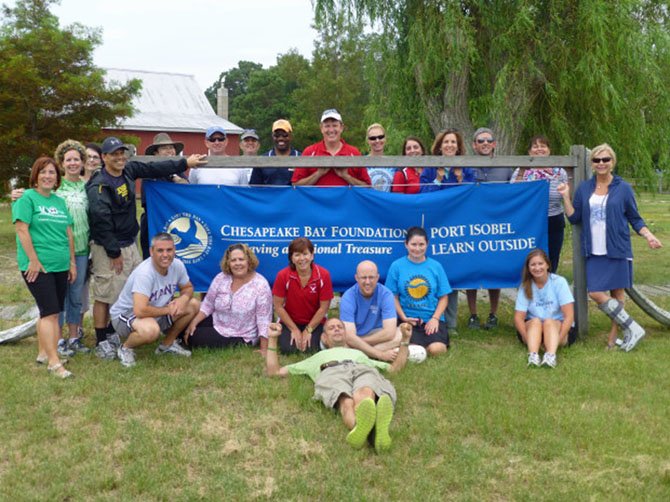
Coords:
pixel 79 210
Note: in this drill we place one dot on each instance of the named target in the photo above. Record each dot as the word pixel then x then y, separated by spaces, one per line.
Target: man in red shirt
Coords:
pixel 332 144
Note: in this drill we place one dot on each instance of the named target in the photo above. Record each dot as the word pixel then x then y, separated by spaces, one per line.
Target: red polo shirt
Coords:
pixel 302 303
pixel 330 178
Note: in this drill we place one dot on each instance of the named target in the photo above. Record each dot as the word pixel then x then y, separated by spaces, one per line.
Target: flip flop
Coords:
pixel 365 421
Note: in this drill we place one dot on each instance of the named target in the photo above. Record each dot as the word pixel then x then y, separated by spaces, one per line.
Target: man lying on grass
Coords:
pixel 347 379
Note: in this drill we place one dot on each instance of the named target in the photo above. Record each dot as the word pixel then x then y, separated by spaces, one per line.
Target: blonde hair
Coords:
pixel 604 147
pixel 66 146
pixel 374 126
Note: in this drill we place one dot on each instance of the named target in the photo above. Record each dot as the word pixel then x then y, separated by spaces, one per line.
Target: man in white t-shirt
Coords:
pixel 146 305
pixel 216 141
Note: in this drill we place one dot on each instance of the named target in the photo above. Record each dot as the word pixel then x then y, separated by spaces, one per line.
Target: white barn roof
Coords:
pixel 170 102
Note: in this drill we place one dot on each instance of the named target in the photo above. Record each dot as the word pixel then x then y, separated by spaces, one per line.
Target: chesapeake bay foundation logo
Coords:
pixel 192 237
pixel 418 288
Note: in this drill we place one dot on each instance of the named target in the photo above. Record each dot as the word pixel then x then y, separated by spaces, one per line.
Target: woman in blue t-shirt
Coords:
pixel 421 290
pixel 544 309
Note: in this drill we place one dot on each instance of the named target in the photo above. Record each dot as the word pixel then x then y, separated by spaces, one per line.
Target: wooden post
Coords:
pixel 580 173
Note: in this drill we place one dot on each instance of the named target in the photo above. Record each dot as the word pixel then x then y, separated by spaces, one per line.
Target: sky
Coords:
pixel 195 37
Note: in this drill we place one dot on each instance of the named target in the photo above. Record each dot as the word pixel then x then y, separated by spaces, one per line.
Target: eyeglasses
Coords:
pixel 377 138
pixel 601 159
pixel 481 141
pixel 218 139
pixel 280 135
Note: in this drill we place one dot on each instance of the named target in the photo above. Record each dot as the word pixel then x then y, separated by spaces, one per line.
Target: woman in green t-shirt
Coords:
pixel 71 157
pixel 45 254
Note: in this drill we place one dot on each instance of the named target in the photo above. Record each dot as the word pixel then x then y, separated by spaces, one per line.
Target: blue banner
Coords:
pixel 480 233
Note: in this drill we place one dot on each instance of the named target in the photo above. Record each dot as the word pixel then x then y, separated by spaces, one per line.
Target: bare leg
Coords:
pixel 471 295
pixel 494 298
pixel 436 348
pixel 533 337
pixel 346 405
pixel 601 297
pixel 390 344
pixel 47 333
pixel 100 314
pixel 180 323
pixel 551 331
pixel 145 331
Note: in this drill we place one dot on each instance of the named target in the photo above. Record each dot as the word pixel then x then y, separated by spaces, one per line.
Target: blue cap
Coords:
pixel 112 144
pixel 213 130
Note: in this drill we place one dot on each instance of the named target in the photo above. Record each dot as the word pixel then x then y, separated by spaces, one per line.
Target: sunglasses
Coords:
pixel 218 139
pixel 602 159
pixel 375 138
pixel 485 140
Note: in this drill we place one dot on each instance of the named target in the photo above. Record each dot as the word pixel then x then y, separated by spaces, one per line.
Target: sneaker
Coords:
pixel 382 422
pixel 114 340
pixel 76 345
pixel 549 360
pixel 473 322
pixel 80 332
pixel 126 356
pixel 175 348
pixel 105 351
pixel 64 350
pixel 533 359
pixel 366 413
pixel 491 322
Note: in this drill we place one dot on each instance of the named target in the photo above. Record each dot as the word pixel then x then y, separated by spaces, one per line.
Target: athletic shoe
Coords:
pixel 491 322
pixel 105 351
pixel 549 360
pixel 114 340
pixel 533 359
pixel 366 413
pixel 473 322
pixel 78 346
pixel 64 350
pixel 80 332
pixel 126 356
pixel 382 422
pixel 175 348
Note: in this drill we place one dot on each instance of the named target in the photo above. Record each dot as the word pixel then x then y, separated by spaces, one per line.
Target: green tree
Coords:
pixel 578 71
pixel 337 80
pixel 49 88
pixel 235 80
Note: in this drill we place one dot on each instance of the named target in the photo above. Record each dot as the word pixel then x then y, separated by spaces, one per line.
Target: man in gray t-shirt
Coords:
pixel 484 143
pixel 146 305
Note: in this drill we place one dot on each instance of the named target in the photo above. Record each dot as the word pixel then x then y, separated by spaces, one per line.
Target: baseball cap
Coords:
pixel 112 144
pixel 282 124
pixel 213 130
pixel 331 113
pixel 249 133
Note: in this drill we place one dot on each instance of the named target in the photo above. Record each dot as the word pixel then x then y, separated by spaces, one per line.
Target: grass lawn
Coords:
pixel 473 425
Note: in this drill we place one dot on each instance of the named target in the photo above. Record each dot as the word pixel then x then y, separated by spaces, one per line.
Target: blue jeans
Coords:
pixel 73 298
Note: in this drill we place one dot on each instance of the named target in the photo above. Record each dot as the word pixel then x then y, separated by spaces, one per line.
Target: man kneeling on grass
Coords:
pixel 347 379
pixel 146 306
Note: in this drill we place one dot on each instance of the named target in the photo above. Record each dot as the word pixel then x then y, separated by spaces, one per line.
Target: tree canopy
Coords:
pixel 50 89
pixel 580 72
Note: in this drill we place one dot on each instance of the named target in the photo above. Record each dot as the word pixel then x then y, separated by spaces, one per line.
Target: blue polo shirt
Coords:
pixel 367 314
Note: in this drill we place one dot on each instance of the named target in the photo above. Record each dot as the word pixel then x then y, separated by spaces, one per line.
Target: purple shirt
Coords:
pixel 246 313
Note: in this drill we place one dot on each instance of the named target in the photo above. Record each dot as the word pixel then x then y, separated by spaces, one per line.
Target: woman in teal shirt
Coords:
pixel 45 254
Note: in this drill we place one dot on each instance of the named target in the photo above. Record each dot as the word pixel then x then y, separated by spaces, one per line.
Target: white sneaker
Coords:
pixel 534 359
pixel 174 348
pixel 549 360
pixel 126 356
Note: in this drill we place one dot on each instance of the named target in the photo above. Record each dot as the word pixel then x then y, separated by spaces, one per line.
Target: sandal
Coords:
pixel 45 359
pixel 59 374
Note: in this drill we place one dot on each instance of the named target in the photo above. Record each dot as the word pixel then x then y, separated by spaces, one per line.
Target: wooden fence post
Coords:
pixel 579 174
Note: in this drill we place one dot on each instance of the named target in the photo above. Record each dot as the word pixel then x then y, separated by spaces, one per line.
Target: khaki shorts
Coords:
pixel 346 378
pixel 106 285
